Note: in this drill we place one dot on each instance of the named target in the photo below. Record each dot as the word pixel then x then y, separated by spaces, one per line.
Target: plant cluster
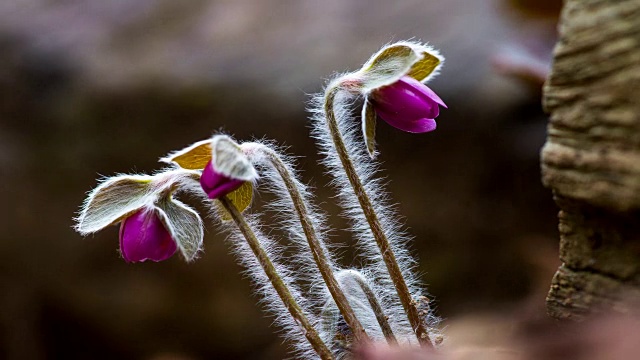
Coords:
pixel 324 309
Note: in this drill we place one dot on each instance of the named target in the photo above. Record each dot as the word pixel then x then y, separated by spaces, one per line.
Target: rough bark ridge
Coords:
pixel 591 159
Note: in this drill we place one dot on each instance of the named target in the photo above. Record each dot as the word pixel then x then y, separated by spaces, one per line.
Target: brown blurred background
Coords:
pixel 91 88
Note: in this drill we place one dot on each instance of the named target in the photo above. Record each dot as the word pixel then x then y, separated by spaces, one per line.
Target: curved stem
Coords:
pixel 382 241
pixel 383 321
pixel 316 247
pixel 278 284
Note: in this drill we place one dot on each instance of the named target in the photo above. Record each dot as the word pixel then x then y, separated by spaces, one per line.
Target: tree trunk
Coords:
pixel 591 159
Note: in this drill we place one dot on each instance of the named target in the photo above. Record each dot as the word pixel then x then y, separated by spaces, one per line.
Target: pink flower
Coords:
pixel 143 236
pixel 408 105
pixel 217 185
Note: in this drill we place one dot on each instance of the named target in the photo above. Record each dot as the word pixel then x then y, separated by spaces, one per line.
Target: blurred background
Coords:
pixel 93 88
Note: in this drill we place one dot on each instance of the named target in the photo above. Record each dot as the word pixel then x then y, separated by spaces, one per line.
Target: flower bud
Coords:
pixel 226 170
pixel 217 185
pixel 143 236
pixel 408 105
pixel 392 84
pixel 153 223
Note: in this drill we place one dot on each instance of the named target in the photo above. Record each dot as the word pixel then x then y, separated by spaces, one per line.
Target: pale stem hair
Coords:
pixel 315 245
pixel 278 283
pixel 379 235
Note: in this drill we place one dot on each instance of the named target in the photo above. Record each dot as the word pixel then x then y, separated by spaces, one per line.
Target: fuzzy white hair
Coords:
pixel 367 169
pixel 269 299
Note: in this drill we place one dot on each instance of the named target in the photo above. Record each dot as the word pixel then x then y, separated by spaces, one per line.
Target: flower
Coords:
pixel 143 236
pixel 226 170
pixel 153 224
pixel 408 105
pixel 217 185
pixel 392 85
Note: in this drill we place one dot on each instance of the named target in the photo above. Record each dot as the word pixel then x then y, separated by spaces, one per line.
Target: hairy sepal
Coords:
pixel 184 224
pixel 394 61
pixel 229 160
pixel 193 157
pixel 114 199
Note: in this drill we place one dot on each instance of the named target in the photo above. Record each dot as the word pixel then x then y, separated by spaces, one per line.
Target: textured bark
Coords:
pixel 591 159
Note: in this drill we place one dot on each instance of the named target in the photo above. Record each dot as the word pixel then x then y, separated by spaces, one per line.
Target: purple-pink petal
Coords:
pixel 426 91
pixel 143 236
pixel 417 126
pixel 408 105
pixel 216 185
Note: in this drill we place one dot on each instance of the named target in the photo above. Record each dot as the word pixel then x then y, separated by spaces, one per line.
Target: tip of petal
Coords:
pixel 418 126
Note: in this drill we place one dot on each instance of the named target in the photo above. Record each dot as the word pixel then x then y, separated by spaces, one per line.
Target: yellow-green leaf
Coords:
pixel 424 67
pixel 240 197
pixel 194 157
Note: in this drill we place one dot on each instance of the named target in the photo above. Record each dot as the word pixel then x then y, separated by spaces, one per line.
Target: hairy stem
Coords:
pixel 383 321
pixel 278 284
pixel 382 241
pixel 317 249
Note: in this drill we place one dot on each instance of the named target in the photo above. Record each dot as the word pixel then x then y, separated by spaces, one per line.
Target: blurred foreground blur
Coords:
pixel 610 337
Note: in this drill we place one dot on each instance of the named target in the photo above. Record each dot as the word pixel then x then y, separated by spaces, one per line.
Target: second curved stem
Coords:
pixel 382 241
pixel 317 249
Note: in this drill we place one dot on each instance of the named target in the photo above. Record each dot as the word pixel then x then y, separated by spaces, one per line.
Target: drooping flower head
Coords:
pixel 392 86
pixel 226 170
pixel 408 105
pixel 392 83
pixel 217 185
pixel 153 224
pixel 143 236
